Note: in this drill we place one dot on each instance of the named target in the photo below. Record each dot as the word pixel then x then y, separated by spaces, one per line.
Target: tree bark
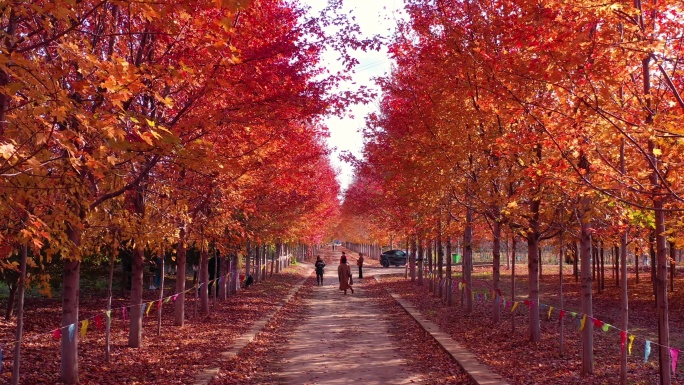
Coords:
pixel 70 296
pixel 468 259
pixel 533 270
pixel 587 334
pixel 204 280
pixel 108 320
pixel 136 314
pixel 16 368
pixel 496 269
pixel 420 261
pixel 181 262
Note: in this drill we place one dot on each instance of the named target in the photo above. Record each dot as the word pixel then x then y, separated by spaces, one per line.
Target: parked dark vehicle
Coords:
pixel 393 257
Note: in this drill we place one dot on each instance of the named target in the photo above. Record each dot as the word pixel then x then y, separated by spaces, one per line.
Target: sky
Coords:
pixel 374 17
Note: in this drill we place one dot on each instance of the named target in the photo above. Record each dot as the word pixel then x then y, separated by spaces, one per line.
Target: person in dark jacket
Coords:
pixel 320 264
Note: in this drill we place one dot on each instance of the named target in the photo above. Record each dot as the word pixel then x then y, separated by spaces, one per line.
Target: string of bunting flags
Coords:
pixel 98 319
pixel 626 339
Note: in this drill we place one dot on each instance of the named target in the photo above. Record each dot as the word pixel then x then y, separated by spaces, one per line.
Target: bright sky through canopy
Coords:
pixel 375 17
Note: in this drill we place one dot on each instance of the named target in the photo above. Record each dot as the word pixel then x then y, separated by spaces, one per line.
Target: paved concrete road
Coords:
pixel 343 340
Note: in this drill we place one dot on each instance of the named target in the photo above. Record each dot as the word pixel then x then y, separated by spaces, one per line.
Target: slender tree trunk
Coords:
pixel 587 334
pixel 181 262
pixel 496 269
pixel 533 270
pixel 561 326
pixel 673 265
pixel 431 281
pixel 136 314
pixel 440 261
pixel 624 310
pixel 108 319
pixel 661 297
pixel 636 263
pixel 513 260
pixel 412 259
pixel 204 280
pixel 468 259
pixel 16 368
pixel 161 296
pixel 223 284
pixel 603 270
pixel 70 296
pixel 420 261
pixel 448 271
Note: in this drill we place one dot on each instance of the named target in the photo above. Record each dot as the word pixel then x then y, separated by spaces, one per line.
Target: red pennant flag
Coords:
pixel 597 323
pixel 562 314
pixel 98 322
pixel 623 339
pixel 57 334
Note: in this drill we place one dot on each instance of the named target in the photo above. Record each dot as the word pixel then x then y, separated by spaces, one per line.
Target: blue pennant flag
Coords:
pixel 647 350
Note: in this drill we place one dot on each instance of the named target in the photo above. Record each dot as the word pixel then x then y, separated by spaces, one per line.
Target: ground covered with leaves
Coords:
pixel 509 352
pixel 174 357
pixel 260 361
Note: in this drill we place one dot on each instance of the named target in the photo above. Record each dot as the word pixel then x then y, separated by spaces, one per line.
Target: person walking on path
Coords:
pixel 359 263
pixel 344 275
pixel 320 264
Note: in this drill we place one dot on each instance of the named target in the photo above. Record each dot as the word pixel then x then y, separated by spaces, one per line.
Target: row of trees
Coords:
pixel 152 125
pixel 543 119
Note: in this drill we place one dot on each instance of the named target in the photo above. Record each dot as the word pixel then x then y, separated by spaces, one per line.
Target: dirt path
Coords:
pixel 343 340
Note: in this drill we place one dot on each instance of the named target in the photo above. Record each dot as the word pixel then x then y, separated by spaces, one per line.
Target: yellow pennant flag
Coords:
pixel 167 300
pixel 149 306
pixel 550 311
pixel 109 313
pixel 629 347
pixel 515 305
pixel 582 322
pixel 84 327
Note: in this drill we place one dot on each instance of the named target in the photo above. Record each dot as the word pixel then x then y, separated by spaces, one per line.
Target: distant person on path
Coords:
pixel 359 263
pixel 344 256
pixel 344 275
pixel 320 264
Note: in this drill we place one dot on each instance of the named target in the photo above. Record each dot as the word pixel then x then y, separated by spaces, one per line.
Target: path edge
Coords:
pixel 205 376
pixel 479 373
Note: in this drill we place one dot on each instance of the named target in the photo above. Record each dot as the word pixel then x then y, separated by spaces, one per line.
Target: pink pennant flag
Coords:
pixel 175 296
pixel 57 334
pixel 159 304
pixel 674 354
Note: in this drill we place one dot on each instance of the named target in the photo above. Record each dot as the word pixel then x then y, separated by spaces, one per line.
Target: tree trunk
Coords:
pixel 161 296
pixel 448 284
pixel 420 261
pixel 440 261
pixel 587 334
pixel 225 277
pixel 533 271
pixel 412 259
pixel 513 259
pixel 636 263
pixel 661 291
pixel 603 269
pixel 468 259
pixel 204 280
pixel 16 368
pixel 431 280
pixel 624 310
pixel 181 262
pixel 135 332
pixel 561 326
pixel 496 269
pixel 70 295
pixel 136 314
pixel 108 320
pixel 673 265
